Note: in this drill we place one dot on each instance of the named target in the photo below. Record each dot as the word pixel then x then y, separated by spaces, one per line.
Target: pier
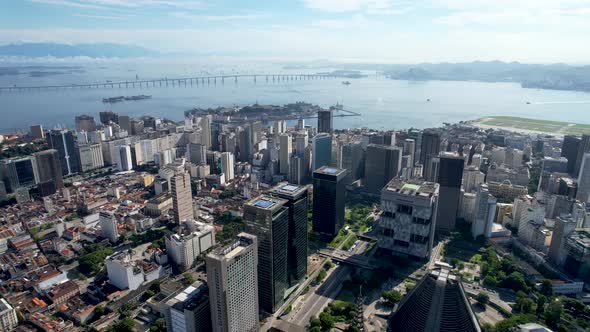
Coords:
pixel 174 82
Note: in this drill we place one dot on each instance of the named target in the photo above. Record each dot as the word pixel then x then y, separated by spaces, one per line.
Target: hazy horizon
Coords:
pixel 367 31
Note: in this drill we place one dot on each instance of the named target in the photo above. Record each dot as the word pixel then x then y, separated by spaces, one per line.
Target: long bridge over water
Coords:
pixel 175 82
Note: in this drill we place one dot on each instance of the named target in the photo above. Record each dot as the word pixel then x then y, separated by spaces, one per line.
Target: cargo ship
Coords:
pixel 119 99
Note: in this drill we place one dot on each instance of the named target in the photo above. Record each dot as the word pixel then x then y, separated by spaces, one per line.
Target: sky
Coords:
pixel 384 31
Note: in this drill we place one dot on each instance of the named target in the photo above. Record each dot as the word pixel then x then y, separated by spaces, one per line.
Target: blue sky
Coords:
pixel 400 31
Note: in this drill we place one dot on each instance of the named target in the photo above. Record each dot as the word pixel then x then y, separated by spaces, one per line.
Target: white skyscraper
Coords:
pixel 124 161
pixel 206 131
pixel 584 180
pixel 227 165
pixel 285 153
pixel 108 226
pixel 233 285
pixel 485 209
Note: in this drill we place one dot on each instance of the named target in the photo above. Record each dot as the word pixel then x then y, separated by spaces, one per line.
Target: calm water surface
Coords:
pixel 382 103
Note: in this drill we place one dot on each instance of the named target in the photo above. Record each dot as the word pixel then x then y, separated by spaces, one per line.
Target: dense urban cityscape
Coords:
pixel 234 220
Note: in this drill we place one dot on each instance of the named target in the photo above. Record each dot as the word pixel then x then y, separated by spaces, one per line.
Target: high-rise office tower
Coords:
pixel 485 209
pixel 124 161
pixel 206 131
pixel 583 193
pixel 85 123
pixel 268 219
pixel 90 157
pixel 430 145
pixel 49 179
pixel 472 178
pixel 182 197
pixel 296 169
pixel 107 116
pixel 301 142
pixel 353 160
pixel 450 175
pixel 18 173
pixel 383 163
pixel 296 202
pixel 280 127
pixel 63 141
pixel 328 200
pixel 410 149
pixel 189 310
pixel 569 150
pixel 232 277
pixel 216 130
pixel 197 153
pixel 227 165
pixel 136 127
pixel 37 132
pixel 124 122
pixel 407 224
pixel 564 227
pixel 285 153
pixel 583 147
pixel 245 143
pixel 325 120
pixel 321 151
pixel 108 226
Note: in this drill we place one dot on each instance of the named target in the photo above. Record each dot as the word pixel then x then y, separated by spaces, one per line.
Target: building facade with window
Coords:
pixel 407 223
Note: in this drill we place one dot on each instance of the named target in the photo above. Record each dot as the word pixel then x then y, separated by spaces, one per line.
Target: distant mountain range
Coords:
pixel 104 50
pixel 554 76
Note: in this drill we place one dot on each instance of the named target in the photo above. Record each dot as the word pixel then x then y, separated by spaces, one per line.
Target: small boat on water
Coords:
pixel 346 83
pixel 528 102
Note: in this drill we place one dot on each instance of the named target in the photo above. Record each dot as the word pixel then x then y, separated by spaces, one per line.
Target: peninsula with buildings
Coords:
pixel 227 222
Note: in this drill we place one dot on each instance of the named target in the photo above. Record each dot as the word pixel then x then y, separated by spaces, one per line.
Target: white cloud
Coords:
pixel 367 6
pixel 104 17
pixel 67 3
pixel 358 21
pixel 189 16
pixel 123 4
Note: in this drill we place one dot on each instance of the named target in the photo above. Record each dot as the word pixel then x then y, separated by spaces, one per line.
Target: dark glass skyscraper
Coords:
pixel 569 150
pixel 49 171
pixel 583 147
pixel 296 197
pixel 268 218
pixel 63 142
pixel 450 175
pixel 383 163
pixel 325 121
pixel 328 200
pixel 429 146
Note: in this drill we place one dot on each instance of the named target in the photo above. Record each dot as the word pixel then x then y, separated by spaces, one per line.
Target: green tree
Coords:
pixel 514 320
pixel 546 288
pixel 391 297
pixel 525 305
pixel 326 321
pixel 125 325
pixel 159 325
pixel 515 281
pixel 189 279
pixel 553 313
pixel 99 311
pixel 483 298
pixel 314 321
pixel 315 329
pixel 321 275
pixel 541 301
